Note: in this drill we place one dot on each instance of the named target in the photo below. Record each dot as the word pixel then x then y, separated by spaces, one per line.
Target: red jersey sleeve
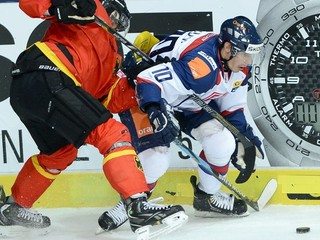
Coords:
pixel 35 8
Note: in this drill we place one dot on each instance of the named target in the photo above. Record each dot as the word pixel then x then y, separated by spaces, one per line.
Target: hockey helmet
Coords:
pixel 242 35
pixel 118 13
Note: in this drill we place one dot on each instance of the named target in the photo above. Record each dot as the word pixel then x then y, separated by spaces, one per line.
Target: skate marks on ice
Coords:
pixel 18 232
pixel 276 222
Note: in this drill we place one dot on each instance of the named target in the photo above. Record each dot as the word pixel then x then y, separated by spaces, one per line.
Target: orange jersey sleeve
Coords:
pixel 121 97
pixel 35 8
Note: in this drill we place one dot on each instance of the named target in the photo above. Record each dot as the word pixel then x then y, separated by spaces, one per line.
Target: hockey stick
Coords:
pixel 123 40
pixel 265 196
pixel 249 147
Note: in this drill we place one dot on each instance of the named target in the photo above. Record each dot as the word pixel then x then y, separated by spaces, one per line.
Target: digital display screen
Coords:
pixel 307 113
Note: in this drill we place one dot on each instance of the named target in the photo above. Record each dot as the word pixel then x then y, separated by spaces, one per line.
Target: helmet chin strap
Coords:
pixel 225 62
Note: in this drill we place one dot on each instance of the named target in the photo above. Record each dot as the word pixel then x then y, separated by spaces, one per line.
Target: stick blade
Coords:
pixel 267 193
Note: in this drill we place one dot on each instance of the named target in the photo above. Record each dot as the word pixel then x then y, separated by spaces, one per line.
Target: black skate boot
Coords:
pixel 219 204
pixel 116 216
pixel 11 213
pixel 113 218
pixel 143 214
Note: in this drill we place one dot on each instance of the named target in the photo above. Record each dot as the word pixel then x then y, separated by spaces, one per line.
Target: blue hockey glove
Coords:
pixel 161 122
pixel 238 154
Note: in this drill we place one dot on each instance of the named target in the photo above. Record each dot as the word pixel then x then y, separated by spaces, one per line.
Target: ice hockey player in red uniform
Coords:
pixel 58 87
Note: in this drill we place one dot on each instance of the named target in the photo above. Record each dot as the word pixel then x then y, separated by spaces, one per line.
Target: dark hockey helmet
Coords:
pixel 118 13
pixel 242 35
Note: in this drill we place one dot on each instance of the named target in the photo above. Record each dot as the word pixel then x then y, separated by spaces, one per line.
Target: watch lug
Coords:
pixel 308 162
pixel 275 158
pixel 264 7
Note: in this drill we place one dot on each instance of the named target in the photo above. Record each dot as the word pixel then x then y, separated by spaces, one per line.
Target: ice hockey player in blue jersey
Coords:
pixel 215 67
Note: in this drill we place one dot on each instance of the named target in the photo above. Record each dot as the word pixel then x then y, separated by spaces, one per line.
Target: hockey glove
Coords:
pixel 73 12
pixel 132 68
pixel 161 122
pixel 237 158
pixel 161 59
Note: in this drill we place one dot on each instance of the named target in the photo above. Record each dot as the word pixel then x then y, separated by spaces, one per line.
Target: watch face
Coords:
pixel 294 79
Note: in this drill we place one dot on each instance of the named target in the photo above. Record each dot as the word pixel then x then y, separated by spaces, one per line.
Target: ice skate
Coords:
pixel 144 216
pixel 113 218
pixel 220 204
pixel 116 216
pixel 12 214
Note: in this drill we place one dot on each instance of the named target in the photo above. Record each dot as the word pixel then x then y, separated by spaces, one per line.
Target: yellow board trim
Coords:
pixel 92 189
pixel 299 184
pixel 56 61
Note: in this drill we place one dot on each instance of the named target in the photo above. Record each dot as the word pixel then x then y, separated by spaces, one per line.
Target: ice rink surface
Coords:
pixel 274 222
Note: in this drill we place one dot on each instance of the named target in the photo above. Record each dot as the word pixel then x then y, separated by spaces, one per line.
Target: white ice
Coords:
pixel 274 222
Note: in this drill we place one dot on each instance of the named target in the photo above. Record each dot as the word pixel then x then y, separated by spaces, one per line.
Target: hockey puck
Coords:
pixel 302 229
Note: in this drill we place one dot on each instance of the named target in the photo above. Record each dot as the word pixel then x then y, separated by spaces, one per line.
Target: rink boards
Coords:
pixel 295 187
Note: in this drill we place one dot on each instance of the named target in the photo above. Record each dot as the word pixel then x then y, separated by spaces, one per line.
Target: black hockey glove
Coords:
pixel 73 12
pixel 161 122
pixel 238 155
pixel 161 59
pixel 131 68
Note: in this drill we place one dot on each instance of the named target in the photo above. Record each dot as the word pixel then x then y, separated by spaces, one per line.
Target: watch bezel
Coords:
pixel 271 28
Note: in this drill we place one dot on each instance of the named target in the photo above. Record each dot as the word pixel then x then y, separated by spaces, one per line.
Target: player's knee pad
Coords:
pixel 218 147
pixel 206 129
pixel 155 162
pixel 59 160
pixel 74 113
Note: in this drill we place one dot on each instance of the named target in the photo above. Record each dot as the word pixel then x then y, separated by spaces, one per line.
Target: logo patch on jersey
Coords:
pixel 235 85
pixel 141 122
pixel 198 68
pixel 138 163
pixel 209 58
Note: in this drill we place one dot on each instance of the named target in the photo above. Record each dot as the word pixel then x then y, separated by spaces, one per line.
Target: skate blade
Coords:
pixel 207 214
pixel 168 225
pixel 22 232
pixel 100 230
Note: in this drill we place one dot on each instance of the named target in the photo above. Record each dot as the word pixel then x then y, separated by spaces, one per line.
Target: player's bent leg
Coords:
pixel 209 199
pixel 34 178
pixel 155 162
pixel 124 172
pixel 15 210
